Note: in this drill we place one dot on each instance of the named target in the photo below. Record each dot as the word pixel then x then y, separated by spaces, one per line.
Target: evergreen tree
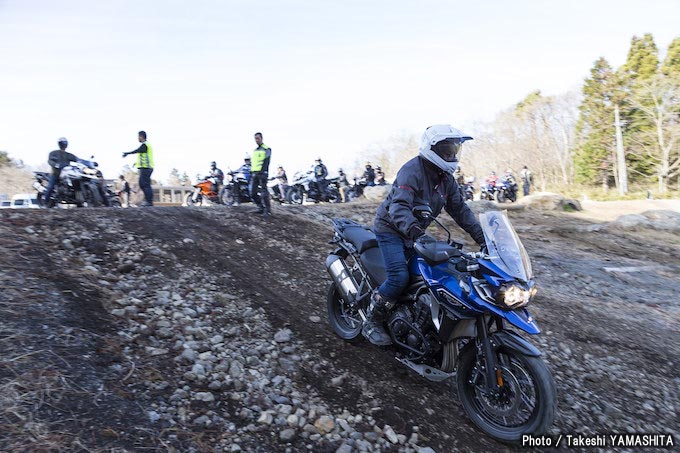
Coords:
pixel 671 64
pixel 595 133
pixel 640 68
pixel 643 58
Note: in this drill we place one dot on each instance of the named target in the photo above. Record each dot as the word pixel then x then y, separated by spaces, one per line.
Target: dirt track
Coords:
pixel 609 336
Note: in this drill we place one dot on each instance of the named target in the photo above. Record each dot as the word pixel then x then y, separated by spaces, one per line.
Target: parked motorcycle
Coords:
pixel 236 190
pixel 80 183
pixel 506 190
pixel 454 319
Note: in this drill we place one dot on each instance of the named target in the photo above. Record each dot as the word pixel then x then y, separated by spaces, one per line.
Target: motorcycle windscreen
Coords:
pixel 504 246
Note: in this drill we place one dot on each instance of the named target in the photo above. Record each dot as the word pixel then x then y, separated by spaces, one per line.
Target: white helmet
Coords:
pixel 439 133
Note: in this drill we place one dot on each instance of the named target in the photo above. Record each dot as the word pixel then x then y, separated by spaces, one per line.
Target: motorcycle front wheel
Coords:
pixel 526 403
pixel 295 196
pixel 190 200
pixel 344 320
pixel 500 196
pixel 91 196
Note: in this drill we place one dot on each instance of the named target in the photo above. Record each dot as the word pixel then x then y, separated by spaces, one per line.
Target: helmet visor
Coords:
pixel 448 149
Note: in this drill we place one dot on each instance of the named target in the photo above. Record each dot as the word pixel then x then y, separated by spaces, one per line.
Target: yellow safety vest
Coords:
pixel 145 160
pixel 258 158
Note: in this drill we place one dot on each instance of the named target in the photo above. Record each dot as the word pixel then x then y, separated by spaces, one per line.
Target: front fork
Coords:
pixel 492 371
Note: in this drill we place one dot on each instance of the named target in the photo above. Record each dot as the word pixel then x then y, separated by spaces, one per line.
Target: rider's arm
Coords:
pixel 462 214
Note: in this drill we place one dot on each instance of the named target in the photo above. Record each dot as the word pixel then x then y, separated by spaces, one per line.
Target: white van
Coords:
pixel 25 201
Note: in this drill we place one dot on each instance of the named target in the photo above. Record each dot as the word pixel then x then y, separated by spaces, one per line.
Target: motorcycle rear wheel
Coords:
pixel 344 320
pixel 529 398
pixel 227 197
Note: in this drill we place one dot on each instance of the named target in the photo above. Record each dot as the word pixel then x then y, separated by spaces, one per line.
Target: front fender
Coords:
pixel 508 339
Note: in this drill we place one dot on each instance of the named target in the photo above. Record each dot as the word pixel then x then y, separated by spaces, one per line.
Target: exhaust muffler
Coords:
pixel 342 277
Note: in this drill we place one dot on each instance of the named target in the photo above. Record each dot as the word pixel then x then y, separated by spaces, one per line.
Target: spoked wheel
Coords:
pixel 345 320
pixel 190 200
pixel 525 404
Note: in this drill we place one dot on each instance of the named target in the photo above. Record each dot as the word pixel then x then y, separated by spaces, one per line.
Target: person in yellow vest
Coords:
pixel 145 167
pixel 259 174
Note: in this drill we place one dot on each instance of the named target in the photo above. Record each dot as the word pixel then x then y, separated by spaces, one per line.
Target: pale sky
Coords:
pixel 317 78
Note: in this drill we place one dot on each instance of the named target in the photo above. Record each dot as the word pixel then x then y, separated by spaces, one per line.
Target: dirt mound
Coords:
pixel 204 329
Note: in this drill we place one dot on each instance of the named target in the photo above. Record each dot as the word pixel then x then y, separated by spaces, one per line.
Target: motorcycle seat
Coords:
pixel 360 237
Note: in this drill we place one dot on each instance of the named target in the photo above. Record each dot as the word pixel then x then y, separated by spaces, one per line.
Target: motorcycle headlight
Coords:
pixel 515 296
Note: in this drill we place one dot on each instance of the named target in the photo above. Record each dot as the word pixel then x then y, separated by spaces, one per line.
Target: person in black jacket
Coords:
pixel 369 175
pixel 320 175
pixel 219 177
pixel 427 179
pixel 57 159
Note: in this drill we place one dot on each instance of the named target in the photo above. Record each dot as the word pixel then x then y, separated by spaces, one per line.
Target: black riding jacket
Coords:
pixel 59 158
pixel 421 183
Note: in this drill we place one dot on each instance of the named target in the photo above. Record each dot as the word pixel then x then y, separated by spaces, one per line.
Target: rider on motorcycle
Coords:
pixel 369 175
pixel 245 168
pixel 57 159
pixel 218 176
pixel 379 176
pixel 427 179
pixel 491 180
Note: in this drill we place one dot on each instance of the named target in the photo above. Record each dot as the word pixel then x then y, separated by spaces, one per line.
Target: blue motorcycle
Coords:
pixel 454 319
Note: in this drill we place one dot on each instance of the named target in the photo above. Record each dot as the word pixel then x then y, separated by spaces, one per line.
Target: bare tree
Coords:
pixel 539 132
pixel 658 100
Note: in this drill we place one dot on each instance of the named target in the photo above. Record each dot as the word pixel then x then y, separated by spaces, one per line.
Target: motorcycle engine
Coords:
pixel 405 324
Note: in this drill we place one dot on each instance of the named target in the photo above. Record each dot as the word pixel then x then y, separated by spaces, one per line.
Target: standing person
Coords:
pixel 527 179
pixel 343 185
pixel 258 180
pixel 57 159
pixel 124 192
pixel 427 179
pixel 144 166
pixel 320 174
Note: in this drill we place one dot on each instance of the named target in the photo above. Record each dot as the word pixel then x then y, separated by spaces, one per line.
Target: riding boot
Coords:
pixel 373 328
